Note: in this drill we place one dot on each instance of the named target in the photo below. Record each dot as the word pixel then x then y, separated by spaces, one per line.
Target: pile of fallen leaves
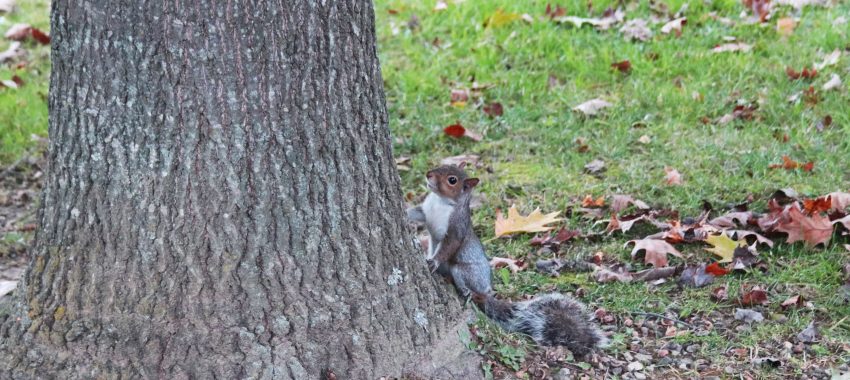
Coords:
pixel 733 237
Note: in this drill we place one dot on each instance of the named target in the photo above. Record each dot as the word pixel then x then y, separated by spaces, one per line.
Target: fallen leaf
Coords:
pixel 674 25
pixel 588 201
pixel 18 32
pixel 595 166
pixel 834 82
pixel 655 251
pixel 813 230
pixel 458 131
pixel 604 23
pixel 789 164
pixel 722 246
pixel 459 97
pixel 624 225
pixel 740 235
pixel 809 334
pixel 557 12
pixel 732 47
pixel 799 4
pixel 7 6
pixel 749 316
pixel 592 107
pixel 845 221
pixel 636 30
pixel 12 53
pixel 829 60
pixel 785 26
pixel 500 18
pixel 696 277
pixel 7 287
pixel 493 109
pixel 620 202
pixel 716 270
pixel 467 159
pixel 644 139
pixel 817 205
pixel 805 74
pixel 824 123
pixel 40 36
pixel 624 67
pixel 719 294
pixel 756 296
pixel 672 176
pixel 732 219
pixel 840 200
pixel 760 8
pixel 440 6
pixel 795 301
pixel 512 264
pixel 515 223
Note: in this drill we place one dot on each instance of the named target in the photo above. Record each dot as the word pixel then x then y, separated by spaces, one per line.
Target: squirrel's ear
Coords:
pixel 470 183
pixel 461 165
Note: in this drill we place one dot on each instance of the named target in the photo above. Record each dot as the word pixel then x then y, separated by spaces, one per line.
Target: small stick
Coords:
pixel 646 314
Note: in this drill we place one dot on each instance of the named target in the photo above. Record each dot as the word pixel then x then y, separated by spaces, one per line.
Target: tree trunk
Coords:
pixel 221 201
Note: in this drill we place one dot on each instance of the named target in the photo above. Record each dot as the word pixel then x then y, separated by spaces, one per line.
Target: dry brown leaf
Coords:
pixel 674 25
pixel 672 176
pixel 813 230
pixel 785 26
pixel 512 264
pixel 732 219
pixel 636 30
pixel 655 251
pixel 840 200
pixel 516 223
pixel 468 159
pixel 619 203
pixel 834 82
pixel 615 224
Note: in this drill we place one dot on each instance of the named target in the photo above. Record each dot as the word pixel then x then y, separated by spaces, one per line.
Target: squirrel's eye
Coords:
pixel 452 180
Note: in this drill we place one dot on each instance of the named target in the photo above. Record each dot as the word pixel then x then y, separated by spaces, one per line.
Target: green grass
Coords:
pixel 23 111
pixel 533 161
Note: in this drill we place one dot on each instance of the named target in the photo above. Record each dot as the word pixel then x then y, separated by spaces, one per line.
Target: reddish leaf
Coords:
pixel 17 80
pixel 821 204
pixel 760 8
pixel 805 74
pixel 493 109
pixel 789 164
pixel 557 12
pixel 40 36
pixel 756 296
pixel 589 202
pixel 673 177
pixel 716 270
pixel 624 67
pixel 824 123
pixel 459 96
pixel 455 130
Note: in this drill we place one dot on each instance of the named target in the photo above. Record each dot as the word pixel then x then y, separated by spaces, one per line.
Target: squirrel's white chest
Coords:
pixel 437 212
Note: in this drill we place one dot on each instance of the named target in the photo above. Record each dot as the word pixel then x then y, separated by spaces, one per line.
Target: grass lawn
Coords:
pixel 665 113
pixel 23 111
pixel 674 95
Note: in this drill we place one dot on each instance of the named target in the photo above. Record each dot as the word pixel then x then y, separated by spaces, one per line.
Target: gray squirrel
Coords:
pixel 455 251
pixel 551 319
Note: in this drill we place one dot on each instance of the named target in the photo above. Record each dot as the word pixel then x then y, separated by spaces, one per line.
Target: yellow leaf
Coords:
pixel 722 246
pixel 534 222
pixel 500 18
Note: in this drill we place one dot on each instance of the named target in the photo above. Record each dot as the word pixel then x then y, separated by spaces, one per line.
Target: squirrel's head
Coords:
pixel 450 181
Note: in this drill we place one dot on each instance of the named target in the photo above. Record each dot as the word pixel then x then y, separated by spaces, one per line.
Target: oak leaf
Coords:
pixel 512 264
pixel 515 223
pixel 813 230
pixel 655 251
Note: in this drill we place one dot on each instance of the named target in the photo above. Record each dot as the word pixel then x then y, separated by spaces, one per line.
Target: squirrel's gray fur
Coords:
pixel 550 319
pixel 454 249
pixel 456 252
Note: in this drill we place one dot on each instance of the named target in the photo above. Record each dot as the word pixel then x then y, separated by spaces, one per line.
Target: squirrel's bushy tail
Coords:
pixel 550 319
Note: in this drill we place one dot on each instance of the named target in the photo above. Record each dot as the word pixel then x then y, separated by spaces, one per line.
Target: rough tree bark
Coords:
pixel 221 201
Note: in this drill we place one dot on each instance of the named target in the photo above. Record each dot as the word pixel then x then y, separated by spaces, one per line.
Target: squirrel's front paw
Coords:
pixel 433 265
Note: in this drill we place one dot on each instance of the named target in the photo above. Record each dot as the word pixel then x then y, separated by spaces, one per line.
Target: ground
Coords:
pixel 672 109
